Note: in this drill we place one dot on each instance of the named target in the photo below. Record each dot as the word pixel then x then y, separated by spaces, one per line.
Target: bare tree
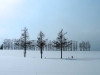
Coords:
pixel 50 45
pixel 8 41
pixel 11 44
pixel 41 42
pixel 76 45
pixel 17 44
pixel 68 45
pixel 46 44
pixel 4 44
pixel 71 45
pixel 61 41
pixel 23 41
pixel 80 46
pixel 83 45
pixel 88 46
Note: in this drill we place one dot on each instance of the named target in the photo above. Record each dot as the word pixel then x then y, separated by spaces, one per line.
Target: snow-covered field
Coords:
pixel 12 62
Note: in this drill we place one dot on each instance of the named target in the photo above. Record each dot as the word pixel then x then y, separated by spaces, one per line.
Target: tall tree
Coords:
pixel 83 45
pixel 70 45
pixel 61 41
pixel 24 40
pixel 76 46
pixel 4 44
pixel 8 41
pixel 88 46
pixel 80 46
pixel 41 42
pixel 50 45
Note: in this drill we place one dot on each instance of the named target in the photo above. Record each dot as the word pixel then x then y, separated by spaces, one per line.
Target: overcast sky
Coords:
pixel 79 18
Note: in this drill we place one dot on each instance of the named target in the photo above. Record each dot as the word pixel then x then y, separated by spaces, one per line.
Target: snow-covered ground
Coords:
pixel 12 62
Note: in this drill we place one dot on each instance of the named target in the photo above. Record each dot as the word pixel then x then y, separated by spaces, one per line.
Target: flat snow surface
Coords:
pixel 12 62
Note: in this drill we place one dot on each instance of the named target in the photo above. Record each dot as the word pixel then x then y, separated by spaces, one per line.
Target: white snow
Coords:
pixel 12 62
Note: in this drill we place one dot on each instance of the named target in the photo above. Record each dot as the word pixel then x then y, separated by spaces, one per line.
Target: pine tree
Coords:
pixel 61 41
pixel 41 42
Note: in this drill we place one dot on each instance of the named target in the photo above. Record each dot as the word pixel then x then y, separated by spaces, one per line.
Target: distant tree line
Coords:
pixel 60 44
pixel 14 44
pixel 84 46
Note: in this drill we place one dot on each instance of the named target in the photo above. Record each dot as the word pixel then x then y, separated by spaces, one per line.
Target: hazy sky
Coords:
pixel 79 18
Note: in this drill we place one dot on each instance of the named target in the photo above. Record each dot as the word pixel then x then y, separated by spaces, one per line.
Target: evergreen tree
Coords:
pixel 61 41
pixel 41 42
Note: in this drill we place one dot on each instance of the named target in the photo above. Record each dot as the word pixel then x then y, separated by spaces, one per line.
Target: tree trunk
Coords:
pixel 41 56
pixel 41 53
pixel 61 53
pixel 61 47
pixel 25 53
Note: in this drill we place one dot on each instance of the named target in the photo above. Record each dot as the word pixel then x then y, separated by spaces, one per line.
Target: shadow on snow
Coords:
pixel 84 59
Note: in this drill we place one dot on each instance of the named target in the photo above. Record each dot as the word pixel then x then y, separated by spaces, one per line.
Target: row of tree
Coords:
pixel 85 46
pixel 49 46
pixel 61 43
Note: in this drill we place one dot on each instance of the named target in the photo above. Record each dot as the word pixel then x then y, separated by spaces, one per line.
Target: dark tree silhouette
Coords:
pixel 8 41
pixel 41 42
pixel 83 45
pixel 23 41
pixel 46 44
pixel 11 44
pixel 17 44
pixel 68 45
pixel 4 44
pixel 76 45
pixel 71 45
pixel 1 47
pixel 50 45
pixel 80 46
pixel 61 41
pixel 54 44
pixel 88 46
